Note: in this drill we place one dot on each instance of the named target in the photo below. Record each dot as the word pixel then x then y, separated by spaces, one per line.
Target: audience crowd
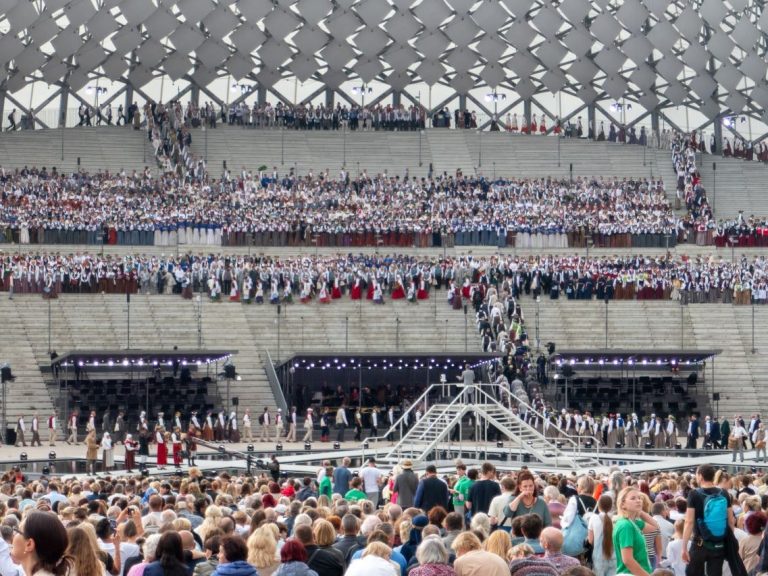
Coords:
pixel 381 522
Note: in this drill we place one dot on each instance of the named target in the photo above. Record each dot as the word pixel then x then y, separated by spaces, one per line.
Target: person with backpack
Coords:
pixel 708 518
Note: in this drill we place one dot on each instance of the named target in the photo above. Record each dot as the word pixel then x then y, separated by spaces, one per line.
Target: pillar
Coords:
pixel 129 86
pixel 655 128
pixel 329 97
pixel 717 128
pixel 463 102
pixel 63 103
pixel 194 95
pixel 396 98
pixel 261 95
pixel 591 121
pixel 2 107
pixel 527 111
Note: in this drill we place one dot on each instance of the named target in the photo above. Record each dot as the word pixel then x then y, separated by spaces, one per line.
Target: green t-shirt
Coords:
pixel 355 495
pixel 629 534
pixel 325 487
pixel 462 487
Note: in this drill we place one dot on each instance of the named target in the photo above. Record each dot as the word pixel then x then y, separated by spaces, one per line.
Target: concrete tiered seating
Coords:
pixel 737 185
pixel 28 393
pixel 97 148
pixel 161 322
pixel 513 155
pixel 656 325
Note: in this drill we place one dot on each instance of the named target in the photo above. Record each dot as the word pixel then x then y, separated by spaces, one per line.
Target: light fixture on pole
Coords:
pixel 362 90
pixel 495 97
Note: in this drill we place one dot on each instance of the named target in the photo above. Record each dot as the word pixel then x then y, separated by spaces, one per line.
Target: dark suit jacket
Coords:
pixel 694 429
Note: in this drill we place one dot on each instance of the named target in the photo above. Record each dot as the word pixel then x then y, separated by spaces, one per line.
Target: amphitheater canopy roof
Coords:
pixel 141 358
pixel 708 54
pixel 387 361
pixel 633 357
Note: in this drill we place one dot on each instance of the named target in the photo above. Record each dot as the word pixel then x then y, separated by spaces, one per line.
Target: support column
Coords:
pixel 591 121
pixel 329 97
pixel 463 102
pixel 2 107
pixel 396 98
pixel 194 95
pixel 63 103
pixel 717 128
pixel 261 95
pixel 129 86
pixel 655 125
pixel 527 112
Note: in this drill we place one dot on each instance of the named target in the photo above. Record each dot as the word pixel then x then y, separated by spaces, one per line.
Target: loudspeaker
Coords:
pixel 229 371
pixel 235 401
pixel 186 375
pixel 6 375
pixel 692 379
pixel 567 370
pixel 716 397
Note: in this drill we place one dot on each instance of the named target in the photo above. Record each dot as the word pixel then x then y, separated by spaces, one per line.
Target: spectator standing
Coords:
pixel 432 491
pixel 600 537
pixel 707 551
pixel 527 500
pixel 460 490
pixel 483 491
pixel 628 540
pixel 406 484
pixel 40 546
pixel 371 477
pixel 341 477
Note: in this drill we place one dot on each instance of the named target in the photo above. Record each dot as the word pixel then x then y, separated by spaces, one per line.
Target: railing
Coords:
pixel 562 434
pixel 397 425
pixel 274 383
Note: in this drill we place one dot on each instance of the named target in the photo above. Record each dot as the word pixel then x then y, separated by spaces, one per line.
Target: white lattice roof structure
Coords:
pixel 709 55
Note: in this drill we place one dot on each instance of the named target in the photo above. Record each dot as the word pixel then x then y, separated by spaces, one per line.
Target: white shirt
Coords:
pixel 370 476
pixel 496 508
pixel 127 550
pixel 674 559
pixel 595 524
pixel 7 567
pixel 666 528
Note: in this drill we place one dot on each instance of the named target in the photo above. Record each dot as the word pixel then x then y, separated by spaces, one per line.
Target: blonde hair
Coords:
pixel 520 551
pixel 262 547
pixel 324 532
pixel 213 515
pixel 498 543
pixel 466 542
pixel 84 549
pixel 621 498
pixel 379 549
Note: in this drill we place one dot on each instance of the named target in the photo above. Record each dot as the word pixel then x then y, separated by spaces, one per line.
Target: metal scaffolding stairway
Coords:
pixel 434 431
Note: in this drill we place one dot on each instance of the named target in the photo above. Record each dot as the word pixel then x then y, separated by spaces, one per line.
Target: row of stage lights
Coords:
pixel 384 365
pixel 630 362
pixel 140 362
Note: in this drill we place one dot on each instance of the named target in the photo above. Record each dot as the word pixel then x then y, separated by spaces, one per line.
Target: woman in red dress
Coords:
pixel 162 448
pixel 422 293
pixel 176 444
pixel 398 292
pixel 356 291
pixel 336 290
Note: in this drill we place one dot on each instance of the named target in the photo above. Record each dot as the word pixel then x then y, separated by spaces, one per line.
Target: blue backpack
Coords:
pixel 713 526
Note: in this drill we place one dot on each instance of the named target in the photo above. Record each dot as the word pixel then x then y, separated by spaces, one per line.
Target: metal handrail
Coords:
pixel 562 433
pixel 399 422
pixel 274 383
pixel 552 441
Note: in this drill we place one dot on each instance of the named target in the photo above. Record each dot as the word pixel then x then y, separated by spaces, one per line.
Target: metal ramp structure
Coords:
pixel 441 429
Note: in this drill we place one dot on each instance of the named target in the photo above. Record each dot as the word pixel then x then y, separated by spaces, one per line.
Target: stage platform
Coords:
pixel 295 460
